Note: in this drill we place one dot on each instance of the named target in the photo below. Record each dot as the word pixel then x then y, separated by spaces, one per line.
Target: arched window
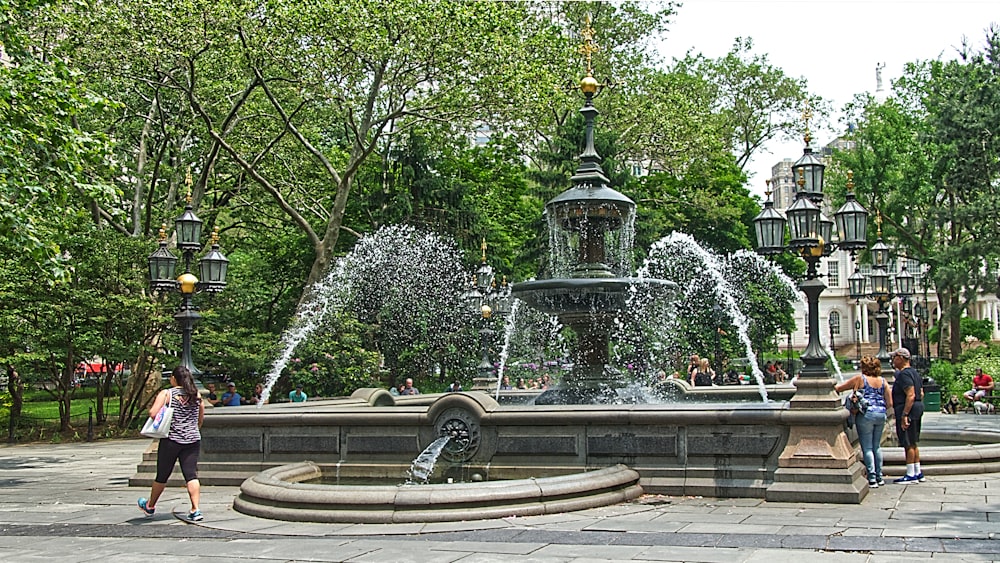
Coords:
pixel 834 323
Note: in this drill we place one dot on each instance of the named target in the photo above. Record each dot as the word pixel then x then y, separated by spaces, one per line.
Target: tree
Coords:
pixel 927 161
pixel 53 170
pixel 756 100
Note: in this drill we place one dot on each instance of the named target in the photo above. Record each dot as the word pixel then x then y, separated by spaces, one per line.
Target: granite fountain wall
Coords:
pixel 677 449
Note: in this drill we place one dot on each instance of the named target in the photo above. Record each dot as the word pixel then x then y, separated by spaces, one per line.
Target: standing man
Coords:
pixel 297 396
pixel 908 404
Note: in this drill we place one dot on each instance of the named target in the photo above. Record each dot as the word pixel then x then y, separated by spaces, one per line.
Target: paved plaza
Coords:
pixel 72 502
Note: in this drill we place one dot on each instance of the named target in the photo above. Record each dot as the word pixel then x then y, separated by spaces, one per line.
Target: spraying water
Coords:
pixel 836 364
pixel 423 466
pixel 708 270
pixel 310 314
pixel 508 332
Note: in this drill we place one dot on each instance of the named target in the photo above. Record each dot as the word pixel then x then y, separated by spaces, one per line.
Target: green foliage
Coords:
pixel 971 329
pixel 946 375
pixel 925 159
pixel 332 362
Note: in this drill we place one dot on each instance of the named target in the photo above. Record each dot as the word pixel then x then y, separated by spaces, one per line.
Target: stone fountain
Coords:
pixel 591 226
pixel 567 451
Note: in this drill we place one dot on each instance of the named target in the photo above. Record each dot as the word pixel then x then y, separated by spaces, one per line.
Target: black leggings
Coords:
pixel 169 452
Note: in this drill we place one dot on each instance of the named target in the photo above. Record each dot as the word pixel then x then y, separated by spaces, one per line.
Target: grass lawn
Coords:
pixel 39 419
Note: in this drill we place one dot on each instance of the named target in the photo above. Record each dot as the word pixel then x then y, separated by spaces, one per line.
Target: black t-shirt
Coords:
pixel 906 377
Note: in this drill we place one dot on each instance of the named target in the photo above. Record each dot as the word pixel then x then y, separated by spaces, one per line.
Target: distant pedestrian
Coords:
pixel 183 444
pixel 231 398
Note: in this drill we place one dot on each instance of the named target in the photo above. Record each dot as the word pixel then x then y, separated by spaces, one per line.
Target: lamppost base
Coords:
pixel 819 464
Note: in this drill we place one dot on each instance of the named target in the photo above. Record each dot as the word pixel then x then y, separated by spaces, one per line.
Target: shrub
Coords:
pixel 945 374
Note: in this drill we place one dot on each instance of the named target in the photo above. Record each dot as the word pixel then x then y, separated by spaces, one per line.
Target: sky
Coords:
pixel 834 44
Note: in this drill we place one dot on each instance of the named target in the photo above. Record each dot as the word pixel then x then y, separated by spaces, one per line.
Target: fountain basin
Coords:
pixel 575 296
pixel 279 494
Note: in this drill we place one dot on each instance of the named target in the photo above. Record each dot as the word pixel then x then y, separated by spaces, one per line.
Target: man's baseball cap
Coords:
pixel 900 352
pixel 231 384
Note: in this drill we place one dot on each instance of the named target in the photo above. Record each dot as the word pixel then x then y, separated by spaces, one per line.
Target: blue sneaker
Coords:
pixel 149 512
pixel 907 479
pixel 920 477
pixel 195 516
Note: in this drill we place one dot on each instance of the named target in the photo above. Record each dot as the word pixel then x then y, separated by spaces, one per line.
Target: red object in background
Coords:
pixel 93 369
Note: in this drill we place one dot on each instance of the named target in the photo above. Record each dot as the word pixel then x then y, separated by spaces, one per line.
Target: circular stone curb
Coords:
pixel 277 494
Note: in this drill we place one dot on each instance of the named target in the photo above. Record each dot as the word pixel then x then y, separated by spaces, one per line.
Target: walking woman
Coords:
pixel 870 425
pixel 182 444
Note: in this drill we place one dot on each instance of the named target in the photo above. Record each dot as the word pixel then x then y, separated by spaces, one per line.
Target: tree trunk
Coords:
pixel 955 324
pixel 16 389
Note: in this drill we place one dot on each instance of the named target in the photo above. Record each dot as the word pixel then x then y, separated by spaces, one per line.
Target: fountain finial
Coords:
pixel 483 247
pixel 588 84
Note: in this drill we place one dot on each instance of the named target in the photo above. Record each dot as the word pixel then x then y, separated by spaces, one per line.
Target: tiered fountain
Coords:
pixel 591 227
pixel 568 451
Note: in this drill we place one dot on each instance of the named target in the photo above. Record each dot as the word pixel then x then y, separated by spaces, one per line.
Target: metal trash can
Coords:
pixel 932 395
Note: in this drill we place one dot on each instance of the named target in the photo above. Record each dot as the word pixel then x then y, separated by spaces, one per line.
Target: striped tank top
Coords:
pixel 184 425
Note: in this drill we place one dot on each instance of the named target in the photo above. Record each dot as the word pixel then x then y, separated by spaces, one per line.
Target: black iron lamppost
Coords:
pixel 811 234
pixel 881 290
pixel 857 337
pixel 920 312
pixel 212 268
pixel 832 323
pixel 717 317
pixel 486 299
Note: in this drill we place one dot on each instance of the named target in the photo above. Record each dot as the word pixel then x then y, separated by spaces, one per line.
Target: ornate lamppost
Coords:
pixel 212 268
pixel 817 449
pixel 831 324
pixel 811 234
pixel 881 290
pixel 857 338
pixel 487 299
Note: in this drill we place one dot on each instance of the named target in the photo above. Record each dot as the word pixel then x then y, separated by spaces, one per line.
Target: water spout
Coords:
pixel 423 466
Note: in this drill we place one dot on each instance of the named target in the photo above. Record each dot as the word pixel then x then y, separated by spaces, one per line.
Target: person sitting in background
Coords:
pixel 455 387
pixel 231 398
pixel 408 388
pixel 297 396
pixel 779 373
pixel 982 385
pixel 505 383
pixel 258 396
pixel 211 397
pixel 521 384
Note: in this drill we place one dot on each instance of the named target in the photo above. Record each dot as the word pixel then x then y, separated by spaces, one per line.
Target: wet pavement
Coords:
pixel 72 502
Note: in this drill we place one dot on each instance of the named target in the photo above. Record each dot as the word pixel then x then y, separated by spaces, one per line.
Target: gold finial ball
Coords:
pixel 487 311
pixel 589 85
pixel 188 282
